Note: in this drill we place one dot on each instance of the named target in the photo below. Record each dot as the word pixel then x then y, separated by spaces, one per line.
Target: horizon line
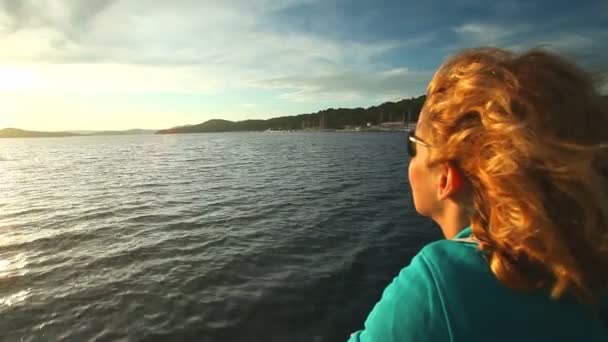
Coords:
pixel 192 124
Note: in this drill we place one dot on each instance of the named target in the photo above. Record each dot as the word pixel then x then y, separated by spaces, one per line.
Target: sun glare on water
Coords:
pixel 11 268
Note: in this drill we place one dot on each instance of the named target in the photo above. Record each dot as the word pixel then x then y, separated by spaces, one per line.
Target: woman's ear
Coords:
pixel 451 181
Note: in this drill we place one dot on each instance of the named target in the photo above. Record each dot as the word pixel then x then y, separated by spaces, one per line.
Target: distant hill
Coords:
pixel 127 132
pixel 20 133
pixel 325 119
pixel 215 125
pixel 81 132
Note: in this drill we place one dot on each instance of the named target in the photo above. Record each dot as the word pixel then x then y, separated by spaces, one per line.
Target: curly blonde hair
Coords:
pixel 529 132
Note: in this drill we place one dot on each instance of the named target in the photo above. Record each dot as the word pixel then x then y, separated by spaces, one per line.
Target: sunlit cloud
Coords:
pixel 199 47
pixel 381 85
pixel 64 55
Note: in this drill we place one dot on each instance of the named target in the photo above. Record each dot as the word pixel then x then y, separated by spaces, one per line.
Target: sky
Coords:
pixel 153 64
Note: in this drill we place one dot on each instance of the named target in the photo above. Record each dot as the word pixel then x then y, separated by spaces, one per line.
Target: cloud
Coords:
pixel 67 18
pixel 215 46
pixel 478 33
pixel 188 46
pixel 588 46
pixel 141 32
pixel 352 85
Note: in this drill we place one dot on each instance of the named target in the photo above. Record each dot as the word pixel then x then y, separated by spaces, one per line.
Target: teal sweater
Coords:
pixel 448 293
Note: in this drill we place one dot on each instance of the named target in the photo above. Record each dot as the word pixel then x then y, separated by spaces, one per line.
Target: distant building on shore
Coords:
pixel 394 125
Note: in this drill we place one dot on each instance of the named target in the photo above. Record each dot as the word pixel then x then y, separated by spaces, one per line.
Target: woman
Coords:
pixel 510 158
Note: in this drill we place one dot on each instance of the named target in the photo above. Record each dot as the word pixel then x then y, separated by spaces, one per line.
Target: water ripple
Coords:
pixel 213 237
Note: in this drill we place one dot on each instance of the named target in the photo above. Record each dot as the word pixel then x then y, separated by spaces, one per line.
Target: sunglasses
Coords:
pixel 412 141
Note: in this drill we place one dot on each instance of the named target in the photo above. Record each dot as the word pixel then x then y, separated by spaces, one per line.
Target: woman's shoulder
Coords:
pixel 459 257
pixel 415 307
pixel 448 293
pixel 409 310
pixel 469 291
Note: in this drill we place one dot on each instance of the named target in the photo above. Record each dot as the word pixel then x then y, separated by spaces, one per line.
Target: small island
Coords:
pixel 20 133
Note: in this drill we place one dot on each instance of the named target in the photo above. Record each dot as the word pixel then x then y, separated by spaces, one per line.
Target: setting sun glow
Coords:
pixel 16 78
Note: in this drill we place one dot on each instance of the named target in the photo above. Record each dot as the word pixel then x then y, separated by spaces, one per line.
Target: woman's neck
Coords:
pixel 453 219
